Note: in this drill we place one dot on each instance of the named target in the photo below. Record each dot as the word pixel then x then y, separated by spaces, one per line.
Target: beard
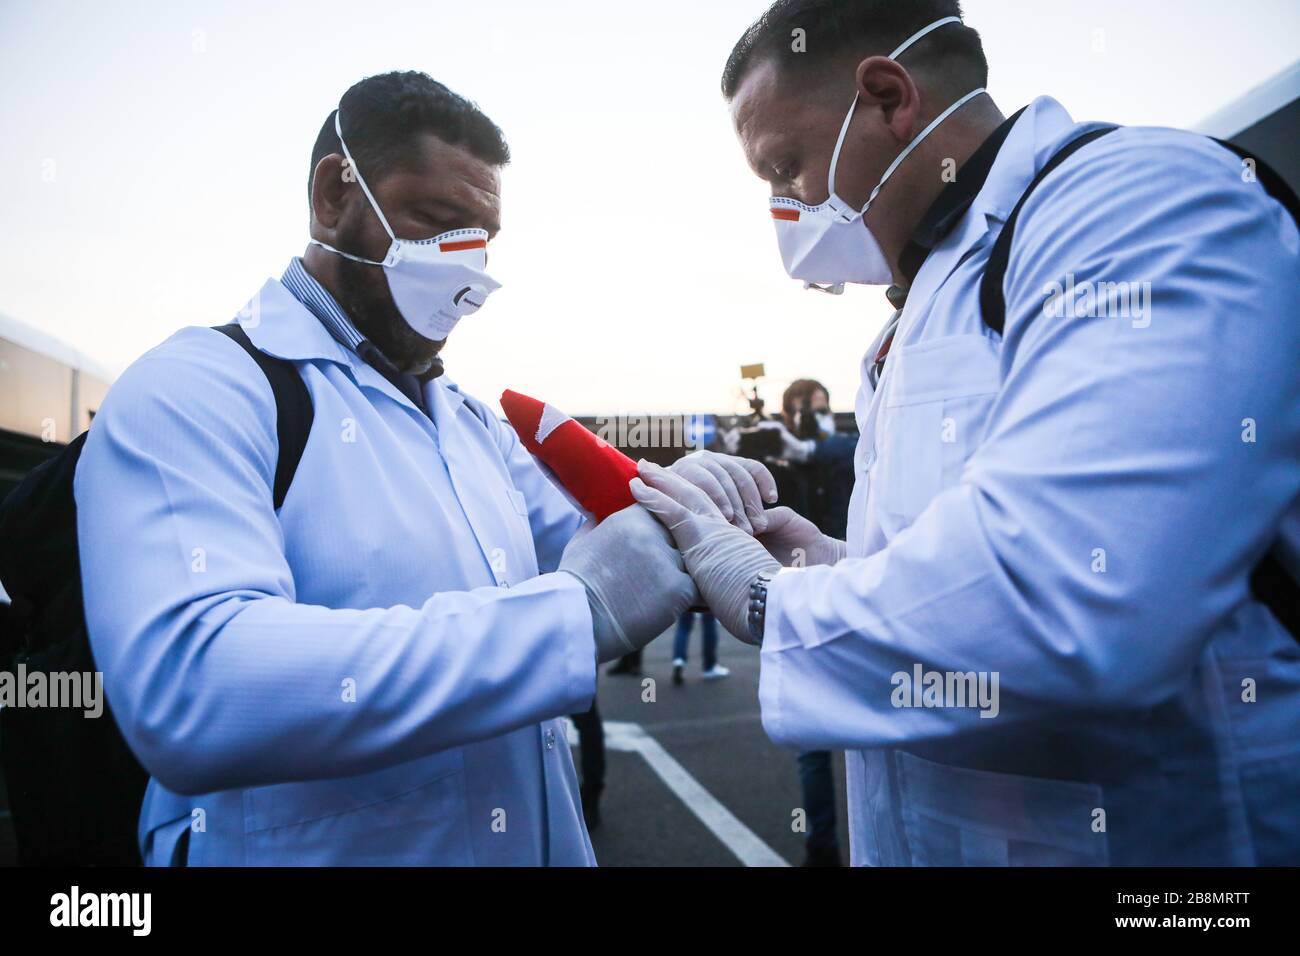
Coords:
pixel 365 296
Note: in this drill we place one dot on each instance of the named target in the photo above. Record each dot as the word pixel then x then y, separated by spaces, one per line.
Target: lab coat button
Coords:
pixel 550 739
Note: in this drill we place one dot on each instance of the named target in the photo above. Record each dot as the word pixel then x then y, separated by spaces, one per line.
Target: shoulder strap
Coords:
pixel 293 408
pixel 1269 178
pixel 1269 581
pixel 992 305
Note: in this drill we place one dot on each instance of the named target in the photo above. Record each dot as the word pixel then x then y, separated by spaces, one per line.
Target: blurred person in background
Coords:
pixel 591 760
pixel 815 479
pixel 711 669
pixel 629 665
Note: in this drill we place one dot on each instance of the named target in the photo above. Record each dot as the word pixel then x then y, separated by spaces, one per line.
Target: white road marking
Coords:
pixel 721 822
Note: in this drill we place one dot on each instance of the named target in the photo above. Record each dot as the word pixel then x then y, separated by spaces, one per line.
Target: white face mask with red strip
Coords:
pixel 828 245
pixel 434 282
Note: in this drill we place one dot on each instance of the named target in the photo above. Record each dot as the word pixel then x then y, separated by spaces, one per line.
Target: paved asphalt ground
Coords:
pixel 712 730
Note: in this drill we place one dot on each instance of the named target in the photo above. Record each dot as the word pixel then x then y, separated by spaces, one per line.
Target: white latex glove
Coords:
pixel 796 542
pixel 738 487
pixel 723 560
pixel 636 582
pixel 792 449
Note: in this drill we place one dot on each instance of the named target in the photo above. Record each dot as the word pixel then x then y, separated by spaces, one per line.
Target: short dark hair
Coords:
pixel 382 114
pixel 865 28
pixel 798 393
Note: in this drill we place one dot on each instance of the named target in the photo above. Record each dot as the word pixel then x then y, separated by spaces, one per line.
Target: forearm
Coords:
pixel 239 692
pixel 958 595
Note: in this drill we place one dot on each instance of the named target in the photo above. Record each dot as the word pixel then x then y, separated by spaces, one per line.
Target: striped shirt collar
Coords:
pixel 316 299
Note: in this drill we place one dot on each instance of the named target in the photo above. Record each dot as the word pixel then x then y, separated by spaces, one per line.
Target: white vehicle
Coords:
pixel 49 392
pixel 1266 121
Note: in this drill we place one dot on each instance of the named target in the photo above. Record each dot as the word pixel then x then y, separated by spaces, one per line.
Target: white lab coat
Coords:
pixel 1075 508
pixel 372 675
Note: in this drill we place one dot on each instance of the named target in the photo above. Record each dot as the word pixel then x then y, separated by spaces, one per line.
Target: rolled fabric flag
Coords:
pixel 593 472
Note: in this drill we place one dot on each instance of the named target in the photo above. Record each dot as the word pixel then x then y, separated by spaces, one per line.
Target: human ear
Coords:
pixel 884 85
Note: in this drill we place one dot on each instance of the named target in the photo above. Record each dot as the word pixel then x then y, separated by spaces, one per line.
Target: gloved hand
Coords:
pixel 796 542
pixel 722 559
pixel 636 582
pixel 792 449
pixel 738 487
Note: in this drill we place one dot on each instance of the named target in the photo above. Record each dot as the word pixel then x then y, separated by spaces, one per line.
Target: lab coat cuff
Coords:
pixel 579 644
pixel 772 664
pixel 782 588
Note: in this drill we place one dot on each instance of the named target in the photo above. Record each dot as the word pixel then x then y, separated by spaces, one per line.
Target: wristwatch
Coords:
pixel 758 605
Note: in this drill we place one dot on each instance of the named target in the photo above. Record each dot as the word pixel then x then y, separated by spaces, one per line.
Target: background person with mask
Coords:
pixel 817 474
pixel 370 673
pixel 816 482
pixel 1039 644
pixel 814 476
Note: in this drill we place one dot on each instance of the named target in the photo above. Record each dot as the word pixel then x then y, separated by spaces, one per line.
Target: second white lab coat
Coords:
pixel 371 675
pixel 1073 508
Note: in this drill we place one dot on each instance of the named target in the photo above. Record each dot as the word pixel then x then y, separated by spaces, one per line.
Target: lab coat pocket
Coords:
pixel 519 562
pixel 955 816
pixel 937 398
pixel 519 502
pixel 414 811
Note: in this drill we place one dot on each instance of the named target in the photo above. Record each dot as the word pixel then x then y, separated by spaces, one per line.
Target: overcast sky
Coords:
pixel 156 157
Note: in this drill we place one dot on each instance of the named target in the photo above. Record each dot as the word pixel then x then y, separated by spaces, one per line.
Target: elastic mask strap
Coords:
pixel 839 144
pixel 920 33
pixel 345 255
pixel 338 128
pixel 844 129
pixel 916 141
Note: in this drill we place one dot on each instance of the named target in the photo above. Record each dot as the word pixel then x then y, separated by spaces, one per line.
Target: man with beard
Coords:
pixel 362 661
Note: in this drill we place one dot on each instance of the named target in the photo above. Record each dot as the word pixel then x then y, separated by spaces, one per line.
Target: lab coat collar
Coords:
pixel 280 325
pixel 1037 130
pixel 444 394
pixel 954 199
pixel 1031 140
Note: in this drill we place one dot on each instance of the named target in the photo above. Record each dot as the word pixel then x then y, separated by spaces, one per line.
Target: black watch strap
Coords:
pixel 757 617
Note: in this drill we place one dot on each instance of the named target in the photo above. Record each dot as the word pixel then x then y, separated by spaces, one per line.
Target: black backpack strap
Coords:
pixel 1276 187
pixel 1273 586
pixel 293 408
pixel 993 306
pixel 1270 582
